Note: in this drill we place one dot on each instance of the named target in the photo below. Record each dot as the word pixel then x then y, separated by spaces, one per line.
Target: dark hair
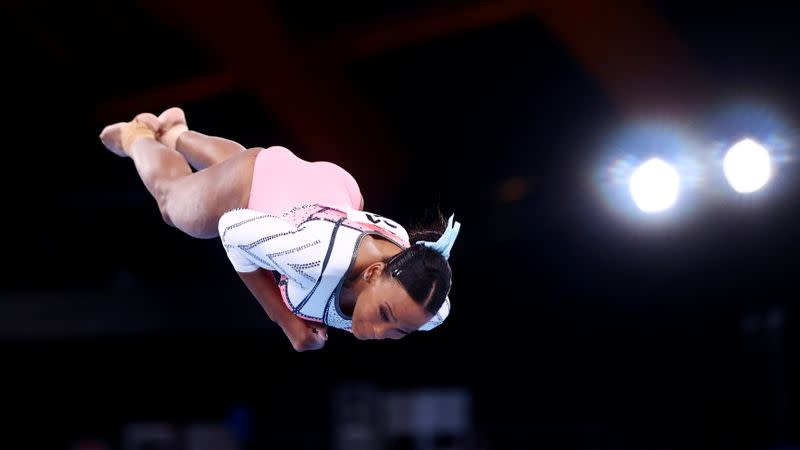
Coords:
pixel 422 271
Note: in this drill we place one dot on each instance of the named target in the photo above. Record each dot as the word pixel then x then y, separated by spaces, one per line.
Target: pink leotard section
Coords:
pixel 282 181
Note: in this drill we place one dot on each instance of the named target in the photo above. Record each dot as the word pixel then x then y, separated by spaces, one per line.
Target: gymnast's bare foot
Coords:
pixel 172 125
pixel 120 136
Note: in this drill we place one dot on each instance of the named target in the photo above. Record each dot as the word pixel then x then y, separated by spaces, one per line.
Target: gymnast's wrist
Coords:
pixel 285 319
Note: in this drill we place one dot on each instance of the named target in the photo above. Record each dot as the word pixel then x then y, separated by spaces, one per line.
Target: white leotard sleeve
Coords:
pixel 253 239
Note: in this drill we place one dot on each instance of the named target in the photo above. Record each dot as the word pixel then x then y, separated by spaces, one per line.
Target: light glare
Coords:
pixel 747 166
pixel 654 186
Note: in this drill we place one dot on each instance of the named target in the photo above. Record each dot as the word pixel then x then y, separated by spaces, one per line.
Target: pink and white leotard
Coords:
pixel 303 222
pixel 282 181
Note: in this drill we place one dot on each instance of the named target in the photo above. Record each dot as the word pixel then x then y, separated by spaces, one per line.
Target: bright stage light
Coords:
pixel 654 186
pixel 747 166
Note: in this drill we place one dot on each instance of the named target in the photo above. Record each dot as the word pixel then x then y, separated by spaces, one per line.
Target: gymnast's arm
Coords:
pixel 304 335
pixel 241 230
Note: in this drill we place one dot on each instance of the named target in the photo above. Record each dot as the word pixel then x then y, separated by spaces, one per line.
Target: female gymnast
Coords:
pixel 294 231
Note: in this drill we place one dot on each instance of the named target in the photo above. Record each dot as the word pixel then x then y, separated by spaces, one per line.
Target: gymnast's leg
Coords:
pixel 200 150
pixel 191 202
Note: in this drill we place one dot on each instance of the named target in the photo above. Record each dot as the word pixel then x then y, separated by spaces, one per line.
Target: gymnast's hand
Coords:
pixel 304 334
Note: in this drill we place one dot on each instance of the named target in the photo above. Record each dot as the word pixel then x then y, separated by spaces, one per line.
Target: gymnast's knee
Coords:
pixel 196 227
pixel 168 216
pixel 180 216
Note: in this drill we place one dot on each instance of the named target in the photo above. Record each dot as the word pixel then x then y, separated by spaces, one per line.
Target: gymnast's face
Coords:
pixel 384 310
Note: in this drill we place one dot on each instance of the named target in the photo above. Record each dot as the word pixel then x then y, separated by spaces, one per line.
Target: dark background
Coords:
pixel 573 326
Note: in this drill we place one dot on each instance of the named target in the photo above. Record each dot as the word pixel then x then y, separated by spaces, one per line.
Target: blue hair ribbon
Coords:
pixel 445 243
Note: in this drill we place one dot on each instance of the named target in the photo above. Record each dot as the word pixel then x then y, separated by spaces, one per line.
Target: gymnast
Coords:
pixel 294 231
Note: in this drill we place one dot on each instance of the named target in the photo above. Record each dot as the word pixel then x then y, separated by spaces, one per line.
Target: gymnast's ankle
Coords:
pixel 133 131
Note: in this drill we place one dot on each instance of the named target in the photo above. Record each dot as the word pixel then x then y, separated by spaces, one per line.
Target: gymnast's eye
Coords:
pixel 384 316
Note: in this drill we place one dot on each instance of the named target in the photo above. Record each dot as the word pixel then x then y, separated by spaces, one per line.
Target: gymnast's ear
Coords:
pixel 373 271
